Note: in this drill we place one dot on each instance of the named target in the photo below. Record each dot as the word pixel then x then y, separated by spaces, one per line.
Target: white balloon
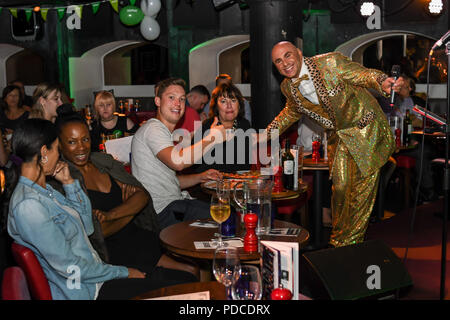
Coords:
pixel 150 28
pixel 150 7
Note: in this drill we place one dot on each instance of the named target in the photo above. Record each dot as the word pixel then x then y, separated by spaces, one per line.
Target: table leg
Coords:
pixel 316 228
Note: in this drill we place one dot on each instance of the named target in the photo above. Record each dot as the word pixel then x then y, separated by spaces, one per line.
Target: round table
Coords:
pixel 179 239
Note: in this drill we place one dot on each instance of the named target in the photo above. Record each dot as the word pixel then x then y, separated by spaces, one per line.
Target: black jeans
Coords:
pixel 124 289
pixel 183 210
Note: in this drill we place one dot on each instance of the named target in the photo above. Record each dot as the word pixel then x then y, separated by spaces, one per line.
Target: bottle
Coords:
pixel 88 115
pixel 287 160
pixel 101 146
pixel 407 128
pixel 121 107
pixel 137 106
pixel 398 137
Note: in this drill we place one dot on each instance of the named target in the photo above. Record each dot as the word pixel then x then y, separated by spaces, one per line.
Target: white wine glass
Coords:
pixel 220 211
pixel 248 286
pixel 226 266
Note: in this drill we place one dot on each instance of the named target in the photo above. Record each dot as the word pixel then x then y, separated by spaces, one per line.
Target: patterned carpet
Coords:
pixel 424 253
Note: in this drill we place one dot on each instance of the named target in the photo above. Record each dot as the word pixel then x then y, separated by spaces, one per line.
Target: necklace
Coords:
pixel 234 127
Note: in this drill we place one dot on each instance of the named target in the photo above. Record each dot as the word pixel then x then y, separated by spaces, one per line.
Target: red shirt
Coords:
pixel 187 121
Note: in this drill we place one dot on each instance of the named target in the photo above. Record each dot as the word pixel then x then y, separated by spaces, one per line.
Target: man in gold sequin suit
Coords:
pixel 332 90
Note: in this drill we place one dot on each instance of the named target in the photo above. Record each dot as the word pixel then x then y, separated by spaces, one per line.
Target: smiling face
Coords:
pixel 171 105
pixel 75 143
pixel 287 59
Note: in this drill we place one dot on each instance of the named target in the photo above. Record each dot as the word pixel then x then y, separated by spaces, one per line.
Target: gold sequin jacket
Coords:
pixel 347 110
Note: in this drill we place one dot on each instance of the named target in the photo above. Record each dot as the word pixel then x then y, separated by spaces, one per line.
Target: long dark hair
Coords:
pixel 226 90
pixel 7 90
pixel 30 136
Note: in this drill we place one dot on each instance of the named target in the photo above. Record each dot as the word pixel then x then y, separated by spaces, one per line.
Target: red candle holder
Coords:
pixel 316 151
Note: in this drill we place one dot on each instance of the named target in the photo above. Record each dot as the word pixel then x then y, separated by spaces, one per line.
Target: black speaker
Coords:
pixel 23 30
pixel 221 4
pixel 368 270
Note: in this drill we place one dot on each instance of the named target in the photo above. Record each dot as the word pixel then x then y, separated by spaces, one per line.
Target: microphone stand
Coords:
pixel 446 182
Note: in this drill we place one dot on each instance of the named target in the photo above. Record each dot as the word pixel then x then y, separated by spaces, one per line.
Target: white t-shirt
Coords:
pixel 159 180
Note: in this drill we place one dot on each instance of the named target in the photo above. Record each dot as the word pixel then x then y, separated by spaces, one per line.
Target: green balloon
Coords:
pixel 131 15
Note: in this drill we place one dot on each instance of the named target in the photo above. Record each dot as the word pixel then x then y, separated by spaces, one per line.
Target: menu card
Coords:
pixel 280 265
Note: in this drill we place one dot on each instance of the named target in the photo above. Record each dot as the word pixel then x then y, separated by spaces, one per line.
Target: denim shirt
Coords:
pixel 57 238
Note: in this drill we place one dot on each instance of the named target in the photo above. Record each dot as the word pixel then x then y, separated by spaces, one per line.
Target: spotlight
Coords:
pixel 36 9
pixel 435 7
pixel 367 9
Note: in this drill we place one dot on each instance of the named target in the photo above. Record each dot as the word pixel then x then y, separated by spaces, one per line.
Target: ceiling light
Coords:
pixel 367 9
pixel 435 7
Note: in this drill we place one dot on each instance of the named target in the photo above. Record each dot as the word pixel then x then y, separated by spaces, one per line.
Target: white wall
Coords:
pixel 87 76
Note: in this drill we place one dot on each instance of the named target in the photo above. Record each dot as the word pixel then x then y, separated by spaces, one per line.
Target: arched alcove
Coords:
pixel 20 63
pixel 220 55
pixel 357 49
pixel 116 66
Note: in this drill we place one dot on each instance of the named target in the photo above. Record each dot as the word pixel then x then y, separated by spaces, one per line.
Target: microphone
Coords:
pixel 439 42
pixel 395 73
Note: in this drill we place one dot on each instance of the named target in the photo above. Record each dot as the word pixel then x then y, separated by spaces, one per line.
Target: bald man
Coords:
pixel 332 90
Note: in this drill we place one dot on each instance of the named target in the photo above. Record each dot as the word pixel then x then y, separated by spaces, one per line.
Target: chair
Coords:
pixel 36 279
pixel 405 165
pixel 14 285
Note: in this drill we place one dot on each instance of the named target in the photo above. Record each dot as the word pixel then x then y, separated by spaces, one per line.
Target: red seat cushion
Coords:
pixel 405 162
pixel 14 285
pixel 37 281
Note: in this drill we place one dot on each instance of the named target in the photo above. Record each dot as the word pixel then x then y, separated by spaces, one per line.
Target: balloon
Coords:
pixel 150 28
pixel 150 7
pixel 131 15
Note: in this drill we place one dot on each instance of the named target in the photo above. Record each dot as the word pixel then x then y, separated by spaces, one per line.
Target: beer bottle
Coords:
pixel 287 160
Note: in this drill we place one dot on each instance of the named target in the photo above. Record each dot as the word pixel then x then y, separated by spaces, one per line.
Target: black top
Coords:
pixel 242 151
pixel 98 129
pixel 5 122
pixel 106 201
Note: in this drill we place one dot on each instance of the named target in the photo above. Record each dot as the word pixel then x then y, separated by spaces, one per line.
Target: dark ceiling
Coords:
pixel 45 3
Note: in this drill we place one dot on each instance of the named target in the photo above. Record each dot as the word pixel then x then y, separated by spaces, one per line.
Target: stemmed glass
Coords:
pixel 220 207
pixel 249 285
pixel 226 266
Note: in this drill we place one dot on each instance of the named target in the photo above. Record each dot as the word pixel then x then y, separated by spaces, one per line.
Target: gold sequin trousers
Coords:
pixel 353 198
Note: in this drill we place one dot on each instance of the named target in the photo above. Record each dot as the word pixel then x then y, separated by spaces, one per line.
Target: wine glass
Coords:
pixel 220 209
pixel 248 286
pixel 226 266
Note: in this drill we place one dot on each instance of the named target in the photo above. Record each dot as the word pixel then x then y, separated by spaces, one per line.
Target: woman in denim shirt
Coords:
pixel 55 227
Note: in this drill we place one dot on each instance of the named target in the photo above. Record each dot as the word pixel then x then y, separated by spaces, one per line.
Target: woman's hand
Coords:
pixel 62 173
pixel 101 215
pixel 136 274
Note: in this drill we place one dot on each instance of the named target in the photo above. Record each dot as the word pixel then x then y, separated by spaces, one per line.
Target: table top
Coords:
pixel 179 238
pixel 216 290
pixel 309 164
pixel 276 196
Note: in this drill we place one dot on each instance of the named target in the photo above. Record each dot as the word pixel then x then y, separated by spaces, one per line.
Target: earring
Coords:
pixel 44 159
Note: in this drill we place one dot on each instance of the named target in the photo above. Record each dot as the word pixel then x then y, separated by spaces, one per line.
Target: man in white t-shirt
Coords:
pixel 156 160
